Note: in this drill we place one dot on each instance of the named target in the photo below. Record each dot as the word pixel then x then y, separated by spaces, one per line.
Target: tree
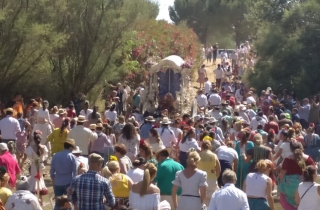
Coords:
pixel 289 50
pixel 25 41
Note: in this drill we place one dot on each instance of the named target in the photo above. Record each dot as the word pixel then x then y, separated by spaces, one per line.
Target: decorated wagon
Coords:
pixel 169 86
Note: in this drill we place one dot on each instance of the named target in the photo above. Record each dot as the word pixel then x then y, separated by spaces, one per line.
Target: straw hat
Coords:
pixel 61 112
pixel 8 110
pixel 99 125
pixel 150 119
pixel 81 118
pixel 77 150
pixel 165 121
pixel 212 120
pixel 92 126
pixel 71 142
pixel 242 107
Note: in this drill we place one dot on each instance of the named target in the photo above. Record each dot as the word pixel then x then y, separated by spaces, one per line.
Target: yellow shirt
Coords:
pixel 120 185
pixel 208 164
pixel 4 194
pixel 57 140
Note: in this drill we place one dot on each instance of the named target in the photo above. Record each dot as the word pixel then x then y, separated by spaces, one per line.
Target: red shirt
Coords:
pixel 272 125
pixel 11 164
pixel 292 167
pixel 232 101
pixel 71 113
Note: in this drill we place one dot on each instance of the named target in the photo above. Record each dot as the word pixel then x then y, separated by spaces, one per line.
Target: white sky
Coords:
pixel 164 12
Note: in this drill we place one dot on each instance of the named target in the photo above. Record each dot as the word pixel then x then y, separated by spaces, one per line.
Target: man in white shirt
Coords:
pixel 229 197
pixel 9 127
pixel 202 100
pixel 214 99
pixel 86 111
pixel 82 135
pixel 219 75
pixel 207 86
pixel 215 113
pixel 257 120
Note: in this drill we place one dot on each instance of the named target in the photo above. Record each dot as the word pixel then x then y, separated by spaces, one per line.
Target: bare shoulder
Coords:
pixel 153 189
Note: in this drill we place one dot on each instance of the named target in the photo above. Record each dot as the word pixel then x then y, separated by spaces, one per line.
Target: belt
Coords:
pixel 195 196
pixel 257 198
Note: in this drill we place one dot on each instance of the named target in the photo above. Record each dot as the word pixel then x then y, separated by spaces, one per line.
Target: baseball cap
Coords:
pixel 3 146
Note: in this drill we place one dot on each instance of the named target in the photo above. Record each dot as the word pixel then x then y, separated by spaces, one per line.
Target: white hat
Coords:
pixel 212 120
pixel 242 107
pixel 3 146
pixel 76 150
pixel 165 121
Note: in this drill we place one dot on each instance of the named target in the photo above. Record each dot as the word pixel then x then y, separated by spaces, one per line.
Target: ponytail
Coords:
pixel 309 173
pixel 37 140
pixel 145 182
pixel 298 156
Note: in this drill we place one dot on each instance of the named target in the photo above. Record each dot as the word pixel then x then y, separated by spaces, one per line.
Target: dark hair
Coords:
pixel 147 149
pixel 19 115
pixel 43 105
pixel 291 133
pixel 185 116
pixel 121 148
pixel 163 153
pixel 260 113
pixel 308 173
pixel 138 162
pixel 67 146
pixel 9 113
pixel 64 125
pixel 155 133
pixel 128 131
pixel 244 136
pixel 259 127
pixel 189 133
pixel 37 140
pixel 94 113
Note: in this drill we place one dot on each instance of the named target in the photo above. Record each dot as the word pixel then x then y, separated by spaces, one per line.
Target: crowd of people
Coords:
pixel 240 151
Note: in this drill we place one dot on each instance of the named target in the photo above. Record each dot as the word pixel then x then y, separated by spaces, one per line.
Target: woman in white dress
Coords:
pixel 43 123
pixel 154 141
pixel 36 153
pixel 131 139
pixel 144 195
pixel 193 183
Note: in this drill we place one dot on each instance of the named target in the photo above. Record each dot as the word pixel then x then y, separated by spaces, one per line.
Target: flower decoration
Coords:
pixel 142 143
pixel 311 125
pixel 207 138
pixel 81 165
pixel 113 158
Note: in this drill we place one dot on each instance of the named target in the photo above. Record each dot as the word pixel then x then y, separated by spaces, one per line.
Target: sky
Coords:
pixel 164 12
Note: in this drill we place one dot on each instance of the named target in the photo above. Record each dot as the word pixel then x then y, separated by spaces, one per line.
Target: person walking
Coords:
pixel 219 73
pixel 82 135
pixel 63 169
pixel 167 169
pixel 193 183
pixel 9 127
pixel 91 188
pixel 131 139
pixel 10 163
pixel 229 197
pixel 307 196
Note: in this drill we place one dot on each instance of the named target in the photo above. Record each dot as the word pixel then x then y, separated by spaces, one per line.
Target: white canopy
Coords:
pixel 173 62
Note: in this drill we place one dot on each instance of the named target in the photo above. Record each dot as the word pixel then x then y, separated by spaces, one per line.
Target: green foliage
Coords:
pixel 59 48
pixel 288 49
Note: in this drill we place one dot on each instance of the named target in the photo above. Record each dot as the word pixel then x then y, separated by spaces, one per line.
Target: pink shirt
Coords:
pixel 8 161
pixel 98 144
pixel 58 122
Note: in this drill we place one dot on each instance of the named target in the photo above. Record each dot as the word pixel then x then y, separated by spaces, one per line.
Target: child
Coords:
pixel 63 202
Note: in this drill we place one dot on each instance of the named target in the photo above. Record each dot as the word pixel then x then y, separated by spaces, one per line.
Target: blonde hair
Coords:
pixel 258 139
pixel 110 168
pixel 263 165
pixel 193 157
pixel 150 170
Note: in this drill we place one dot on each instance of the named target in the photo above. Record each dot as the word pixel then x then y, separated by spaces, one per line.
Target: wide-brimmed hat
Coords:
pixel 165 121
pixel 212 120
pixel 71 142
pixel 77 150
pixel 8 110
pixel 92 126
pixel 61 111
pixel 81 118
pixel 99 125
pixel 242 107
pixel 150 119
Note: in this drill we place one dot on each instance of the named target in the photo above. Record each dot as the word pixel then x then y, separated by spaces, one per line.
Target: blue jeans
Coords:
pixel 58 191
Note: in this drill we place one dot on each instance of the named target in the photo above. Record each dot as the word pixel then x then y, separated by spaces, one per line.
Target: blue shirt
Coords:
pixel 63 168
pixel 144 131
pixel 90 189
pixel 295 118
pixel 304 112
